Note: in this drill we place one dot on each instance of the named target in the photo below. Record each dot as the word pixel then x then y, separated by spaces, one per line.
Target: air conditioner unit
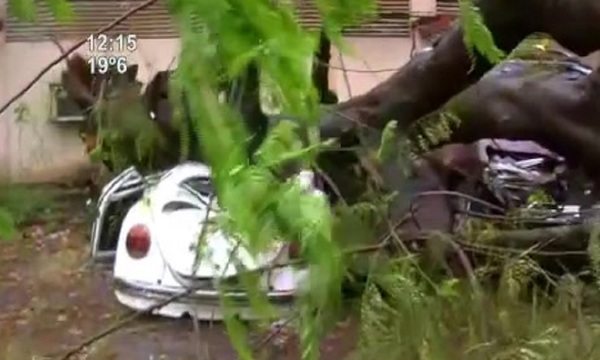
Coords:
pixel 65 110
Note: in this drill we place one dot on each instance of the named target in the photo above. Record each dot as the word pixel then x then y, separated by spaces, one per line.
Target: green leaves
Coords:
pixel 476 35
pixel 337 14
pixel 61 9
pixel 388 148
pixel 26 9
pixel 260 208
pixel 282 139
pixel 22 9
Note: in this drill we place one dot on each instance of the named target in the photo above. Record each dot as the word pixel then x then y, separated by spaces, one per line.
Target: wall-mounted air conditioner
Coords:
pixel 65 110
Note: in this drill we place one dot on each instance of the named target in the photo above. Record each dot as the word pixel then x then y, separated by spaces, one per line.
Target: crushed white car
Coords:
pixel 151 226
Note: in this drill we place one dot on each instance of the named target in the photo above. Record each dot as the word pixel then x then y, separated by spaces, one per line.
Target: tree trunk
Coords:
pixel 320 72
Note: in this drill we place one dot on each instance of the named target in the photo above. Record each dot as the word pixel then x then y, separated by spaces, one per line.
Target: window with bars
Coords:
pixel 64 109
pixel 393 19
pixel 447 7
pixel 91 15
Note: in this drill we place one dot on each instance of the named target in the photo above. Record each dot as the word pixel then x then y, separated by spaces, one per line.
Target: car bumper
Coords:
pixel 202 304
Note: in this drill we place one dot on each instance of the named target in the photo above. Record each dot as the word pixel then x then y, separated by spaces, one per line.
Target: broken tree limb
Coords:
pixel 430 79
pixel 558 239
pixel 422 85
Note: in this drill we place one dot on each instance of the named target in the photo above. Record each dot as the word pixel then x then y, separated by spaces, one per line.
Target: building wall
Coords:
pixel 4 153
pixel 368 62
pixel 33 149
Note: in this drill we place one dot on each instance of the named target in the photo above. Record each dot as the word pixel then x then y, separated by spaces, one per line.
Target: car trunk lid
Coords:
pixel 180 215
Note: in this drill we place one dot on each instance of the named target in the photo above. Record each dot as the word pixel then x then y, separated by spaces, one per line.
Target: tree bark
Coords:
pixel 320 72
pixel 430 79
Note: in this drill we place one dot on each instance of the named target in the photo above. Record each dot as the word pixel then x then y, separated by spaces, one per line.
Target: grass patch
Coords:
pixel 27 204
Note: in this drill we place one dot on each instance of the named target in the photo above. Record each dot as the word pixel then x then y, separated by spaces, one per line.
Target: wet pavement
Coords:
pixel 51 300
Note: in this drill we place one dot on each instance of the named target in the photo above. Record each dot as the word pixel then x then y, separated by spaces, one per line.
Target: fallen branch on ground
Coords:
pixel 550 241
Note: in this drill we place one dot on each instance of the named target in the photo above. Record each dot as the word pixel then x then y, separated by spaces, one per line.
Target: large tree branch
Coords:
pixel 430 79
pixel 550 239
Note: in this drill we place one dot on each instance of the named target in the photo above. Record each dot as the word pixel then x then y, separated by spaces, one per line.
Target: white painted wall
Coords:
pixel 368 62
pixel 4 153
pixel 423 7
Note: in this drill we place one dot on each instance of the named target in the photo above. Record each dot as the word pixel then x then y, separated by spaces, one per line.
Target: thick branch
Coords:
pixel 558 238
pixel 430 79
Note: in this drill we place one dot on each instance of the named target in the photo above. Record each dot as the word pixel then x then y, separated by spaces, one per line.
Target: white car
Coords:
pixel 151 227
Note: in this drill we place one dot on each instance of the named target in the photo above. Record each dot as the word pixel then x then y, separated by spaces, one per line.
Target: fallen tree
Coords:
pixel 502 104
pixel 430 79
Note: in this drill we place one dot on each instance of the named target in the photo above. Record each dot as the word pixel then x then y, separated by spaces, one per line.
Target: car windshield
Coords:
pixel 201 185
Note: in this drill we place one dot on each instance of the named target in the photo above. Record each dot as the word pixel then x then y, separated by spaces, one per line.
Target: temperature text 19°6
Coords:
pixel 105 64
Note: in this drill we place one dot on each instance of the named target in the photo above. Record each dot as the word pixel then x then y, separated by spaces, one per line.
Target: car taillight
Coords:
pixel 138 241
pixel 294 250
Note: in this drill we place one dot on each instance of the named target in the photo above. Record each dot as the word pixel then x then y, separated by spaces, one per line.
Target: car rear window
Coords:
pixel 201 185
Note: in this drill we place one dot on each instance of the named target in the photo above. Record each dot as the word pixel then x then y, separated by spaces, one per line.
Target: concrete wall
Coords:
pixel 4 154
pixel 369 61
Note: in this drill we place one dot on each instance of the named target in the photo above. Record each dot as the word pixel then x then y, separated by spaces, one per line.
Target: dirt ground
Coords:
pixel 52 299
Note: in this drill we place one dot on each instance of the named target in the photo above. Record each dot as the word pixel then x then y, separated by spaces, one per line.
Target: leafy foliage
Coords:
pixel 260 32
pixel 476 35
pixel 125 136
pixel 26 9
